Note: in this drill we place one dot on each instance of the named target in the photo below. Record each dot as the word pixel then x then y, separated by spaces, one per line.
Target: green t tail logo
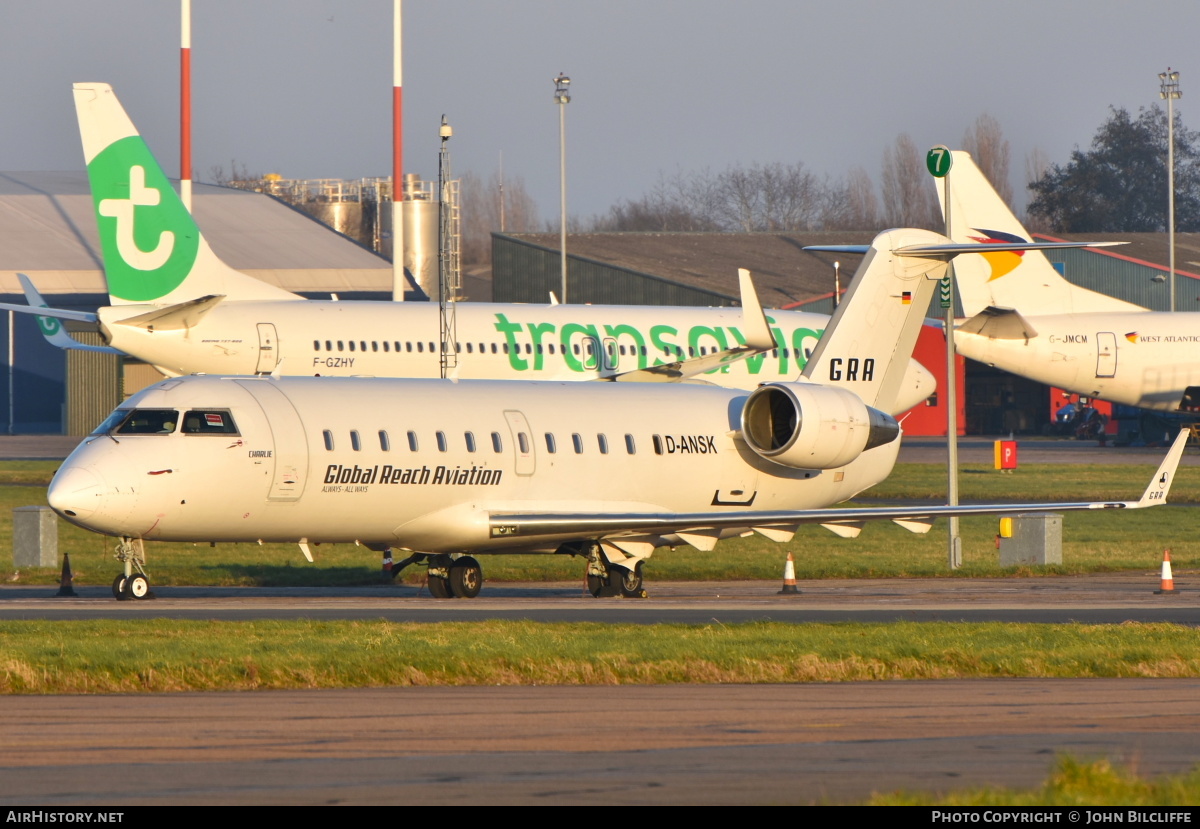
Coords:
pixel 123 211
pixel 147 236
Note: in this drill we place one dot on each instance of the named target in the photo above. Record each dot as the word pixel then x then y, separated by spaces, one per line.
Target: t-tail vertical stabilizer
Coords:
pixel 153 251
pixel 869 341
pixel 1023 279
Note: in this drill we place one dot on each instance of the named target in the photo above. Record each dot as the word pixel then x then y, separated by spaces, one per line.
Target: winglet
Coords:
pixel 1160 484
pixel 754 321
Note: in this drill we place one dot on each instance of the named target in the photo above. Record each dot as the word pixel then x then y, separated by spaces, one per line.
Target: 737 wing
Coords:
pixel 758 340
pixel 49 320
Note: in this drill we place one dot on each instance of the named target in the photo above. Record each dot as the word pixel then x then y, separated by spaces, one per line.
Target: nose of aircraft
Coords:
pixel 75 493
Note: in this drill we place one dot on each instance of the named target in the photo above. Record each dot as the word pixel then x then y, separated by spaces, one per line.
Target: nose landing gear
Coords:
pixel 130 585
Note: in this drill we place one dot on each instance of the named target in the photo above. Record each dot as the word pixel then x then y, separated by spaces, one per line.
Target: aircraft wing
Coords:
pixel 48 320
pixel 779 525
pixel 758 340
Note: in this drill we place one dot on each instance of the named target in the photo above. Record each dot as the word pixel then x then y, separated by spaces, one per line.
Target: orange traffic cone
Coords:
pixel 66 587
pixel 1168 583
pixel 789 576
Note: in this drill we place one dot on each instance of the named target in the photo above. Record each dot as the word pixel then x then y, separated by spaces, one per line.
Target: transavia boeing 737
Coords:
pixel 451 471
pixel 175 305
pixel 1025 318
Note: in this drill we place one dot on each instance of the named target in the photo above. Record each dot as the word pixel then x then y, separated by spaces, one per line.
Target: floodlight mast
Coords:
pixel 562 98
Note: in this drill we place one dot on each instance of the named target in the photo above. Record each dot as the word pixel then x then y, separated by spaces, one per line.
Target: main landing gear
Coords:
pixel 608 580
pixel 130 585
pixel 454 577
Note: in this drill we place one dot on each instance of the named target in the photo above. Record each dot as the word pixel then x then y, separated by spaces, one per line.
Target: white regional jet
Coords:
pixel 450 470
pixel 178 307
pixel 1025 318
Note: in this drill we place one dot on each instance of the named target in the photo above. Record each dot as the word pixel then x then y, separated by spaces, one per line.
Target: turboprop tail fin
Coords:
pixel 1021 279
pixel 153 251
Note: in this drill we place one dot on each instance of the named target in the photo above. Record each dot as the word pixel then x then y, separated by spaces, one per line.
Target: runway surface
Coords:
pixel 1105 598
pixel 573 746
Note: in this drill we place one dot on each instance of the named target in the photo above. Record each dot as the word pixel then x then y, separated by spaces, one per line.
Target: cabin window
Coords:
pixel 523 443
pixel 328 345
pixel 470 439
pixel 328 440
pixel 602 441
pixel 577 441
pixel 386 344
pixel 551 348
pixel 441 442
pixel 421 347
pixel 622 350
pixel 352 345
pixel 407 347
pixel 497 443
pixel 539 348
pixel 375 345
pixel 431 348
pixel 493 348
pixel 550 447
pixel 355 441
pixel 470 348
pixel 363 345
pixel 506 348
pixel 412 442
pixel 316 345
pixel 528 348
pixel 341 345
pixel 576 348
pixel 658 445
pixel 630 446
pixel 208 422
pixel 385 443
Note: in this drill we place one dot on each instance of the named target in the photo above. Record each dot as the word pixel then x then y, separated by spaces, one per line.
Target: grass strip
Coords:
pixel 1073 782
pixel 157 655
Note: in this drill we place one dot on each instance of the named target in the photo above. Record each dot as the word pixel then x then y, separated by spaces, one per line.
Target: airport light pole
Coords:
pixel 562 97
pixel 1168 89
pixel 837 285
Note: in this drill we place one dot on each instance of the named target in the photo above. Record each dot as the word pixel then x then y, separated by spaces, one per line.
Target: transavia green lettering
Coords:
pixel 335 473
pixel 696 444
pixel 534 346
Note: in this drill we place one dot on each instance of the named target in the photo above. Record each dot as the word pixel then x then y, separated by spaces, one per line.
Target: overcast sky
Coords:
pixel 303 87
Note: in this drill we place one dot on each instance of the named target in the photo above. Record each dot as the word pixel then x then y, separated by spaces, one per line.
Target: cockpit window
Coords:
pixel 208 422
pixel 139 422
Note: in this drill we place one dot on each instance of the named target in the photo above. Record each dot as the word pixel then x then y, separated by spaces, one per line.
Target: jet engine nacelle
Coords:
pixel 809 426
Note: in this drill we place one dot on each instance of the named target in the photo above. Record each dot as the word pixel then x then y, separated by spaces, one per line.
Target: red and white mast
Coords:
pixel 185 104
pixel 398 282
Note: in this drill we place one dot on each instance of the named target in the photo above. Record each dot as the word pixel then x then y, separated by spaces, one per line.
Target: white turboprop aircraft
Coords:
pixel 178 307
pixel 450 470
pixel 1025 318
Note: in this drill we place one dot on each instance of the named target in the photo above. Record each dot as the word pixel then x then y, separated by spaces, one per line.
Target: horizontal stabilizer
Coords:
pixel 999 324
pixel 860 249
pixel 954 249
pixel 174 317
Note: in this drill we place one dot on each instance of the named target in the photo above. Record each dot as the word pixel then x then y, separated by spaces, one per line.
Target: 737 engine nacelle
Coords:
pixel 809 426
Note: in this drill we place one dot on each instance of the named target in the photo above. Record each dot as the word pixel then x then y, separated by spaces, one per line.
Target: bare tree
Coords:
pixel 851 204
pixel 483 203
pixel 985 141
pixel 909 199
pixel 1037 164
